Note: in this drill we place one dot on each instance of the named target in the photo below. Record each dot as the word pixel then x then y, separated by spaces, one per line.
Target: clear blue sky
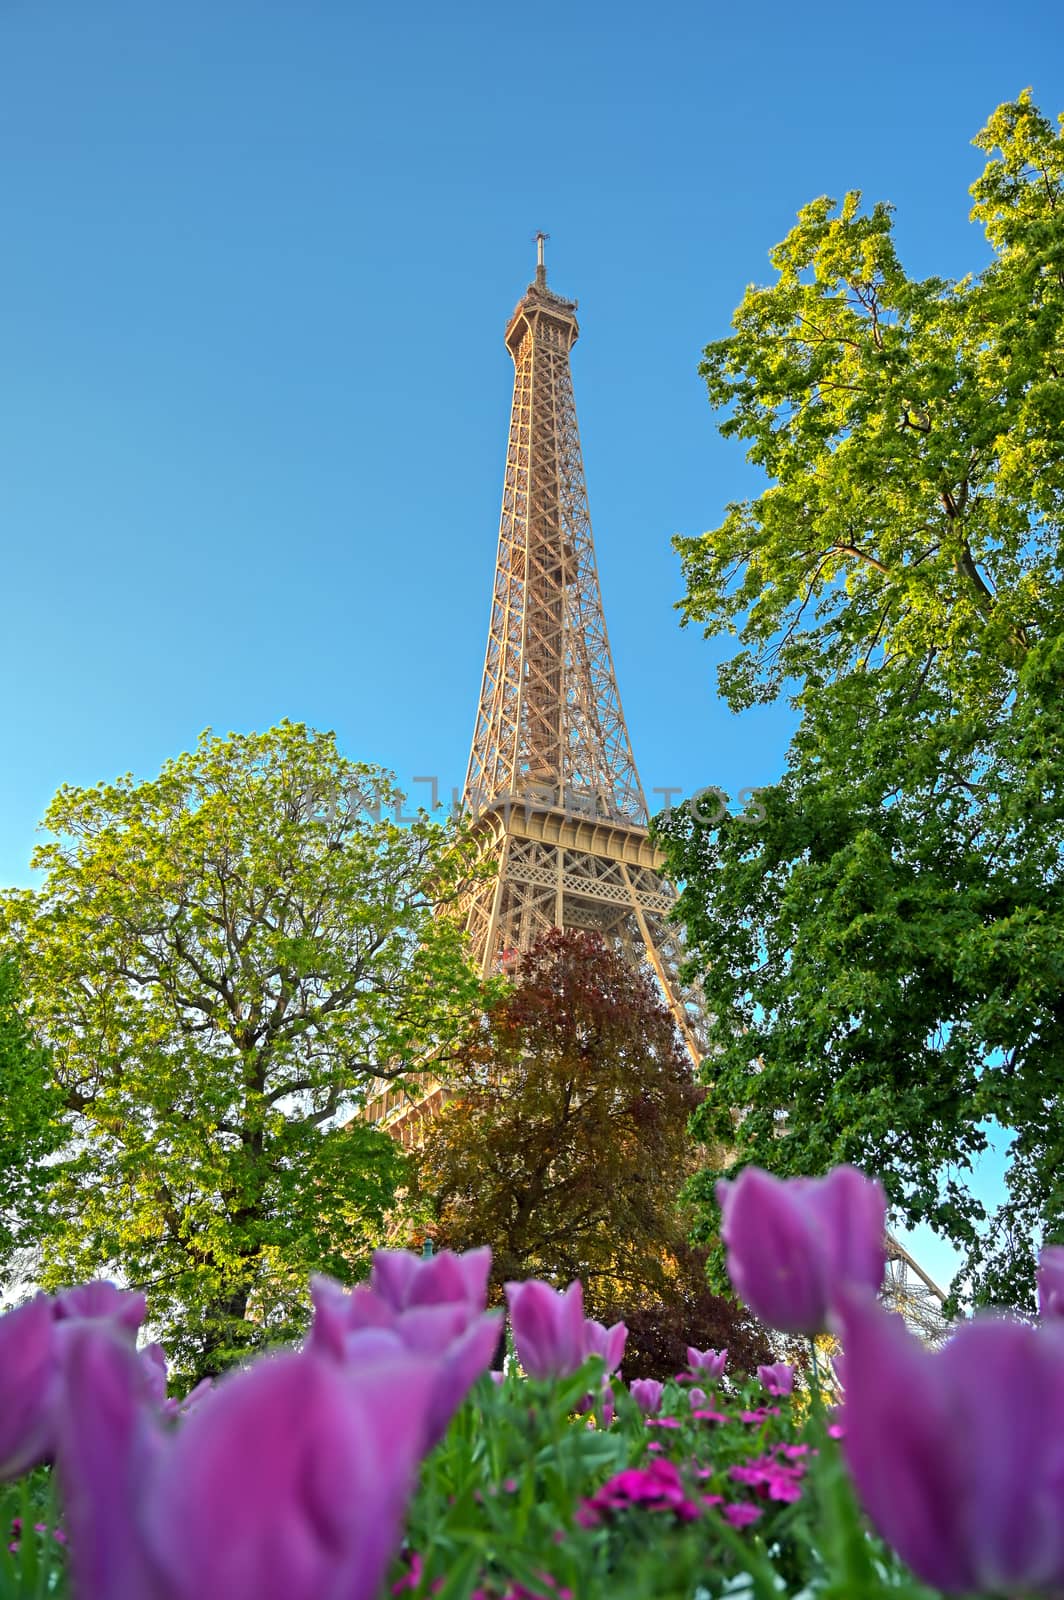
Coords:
pixel 258 258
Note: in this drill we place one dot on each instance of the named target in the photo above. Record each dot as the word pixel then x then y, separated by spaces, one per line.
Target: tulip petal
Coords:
pixel 291 1484
pixel 775 1259
pixel 27 1380
pixel 1006 1380
pixel 467 1359
pixel 1051 1281
pixel 852 1211
pixel 548 1327
pixel 108 1451
pixel 901 1443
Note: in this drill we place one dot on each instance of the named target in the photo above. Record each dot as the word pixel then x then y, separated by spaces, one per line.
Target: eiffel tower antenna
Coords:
pixel 541 265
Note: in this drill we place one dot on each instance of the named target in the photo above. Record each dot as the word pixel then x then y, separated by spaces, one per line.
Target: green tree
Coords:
pixel 883 953
pixel 223 961
pixel 564 1144
pixel 31 1124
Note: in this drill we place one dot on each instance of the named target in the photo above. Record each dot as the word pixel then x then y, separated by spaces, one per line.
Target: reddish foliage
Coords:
pixel 565 1142
pixel 688 1313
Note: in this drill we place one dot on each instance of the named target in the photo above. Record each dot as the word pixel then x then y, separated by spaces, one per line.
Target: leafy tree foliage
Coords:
pixel 884 951
pixel 31 1128
pixel 565 1144
pixel 685 1311
pixel 222 962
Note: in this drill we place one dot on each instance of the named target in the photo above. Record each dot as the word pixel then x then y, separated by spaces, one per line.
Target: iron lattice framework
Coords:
pixel 552 789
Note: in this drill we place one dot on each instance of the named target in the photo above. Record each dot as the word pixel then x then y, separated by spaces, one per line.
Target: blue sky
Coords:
pixel 258 258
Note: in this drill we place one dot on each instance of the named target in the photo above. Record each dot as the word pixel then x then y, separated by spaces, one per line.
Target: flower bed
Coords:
pixel 382 1458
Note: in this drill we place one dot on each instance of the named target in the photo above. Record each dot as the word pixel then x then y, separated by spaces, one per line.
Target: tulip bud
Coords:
pixel 956 1453
pixel 777 1379
pixel 647 1393
pixel 709 1364
pixel 605 1342
pixel 548 1327
pixel 794 1243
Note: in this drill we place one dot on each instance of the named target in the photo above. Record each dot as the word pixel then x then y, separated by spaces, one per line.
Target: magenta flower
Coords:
pixel 647 1394
pixel 708 1364
pixel 777 1379
pixel 1051 1281
pixel 290 1485
pixel 958 1454
pixel 28 1379
pixel 654 1488
pixel 771 1478
pixel 605 1342
pixel 793 1243
pixel 548 1327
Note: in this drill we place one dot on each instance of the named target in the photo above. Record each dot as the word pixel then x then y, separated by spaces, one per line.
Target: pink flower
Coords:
pixel 792 1244
pixel 697 1397
pixel 708 1364
pixel 1051 1281
pixel 777 1379
pixel 773 1479
pixel 548 1327
pixel 740 1514
pixel 647 1394
pixel 958 1454
pixel 654 1488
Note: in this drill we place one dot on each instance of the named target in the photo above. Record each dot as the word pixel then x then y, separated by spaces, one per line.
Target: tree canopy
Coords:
pixel 31 1127
pixel 564 1144
pixel 883 952
pixel 223 962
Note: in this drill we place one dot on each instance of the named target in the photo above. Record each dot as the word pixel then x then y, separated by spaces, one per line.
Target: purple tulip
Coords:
pixel 1051 1281
pixel 402 1279
pixel 605 1342
pixel 793 1243
pixel 548 1327
pixel 360 1327
pixel 709 1364
pixel 647 1393
pixel 290 1485
pixel 958 1454
pixel 778 1379
pixel 102 1301
pixel 696 1396
pixel 28 1379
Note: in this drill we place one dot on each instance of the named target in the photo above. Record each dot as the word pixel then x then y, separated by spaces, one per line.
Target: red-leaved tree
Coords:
pixel 564 1144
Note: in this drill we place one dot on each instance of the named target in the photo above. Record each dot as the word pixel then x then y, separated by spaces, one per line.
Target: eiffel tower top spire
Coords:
pixel 549 722
pixel 541 265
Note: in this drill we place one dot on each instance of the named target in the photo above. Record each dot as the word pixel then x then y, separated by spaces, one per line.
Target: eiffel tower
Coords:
pixel 552 790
